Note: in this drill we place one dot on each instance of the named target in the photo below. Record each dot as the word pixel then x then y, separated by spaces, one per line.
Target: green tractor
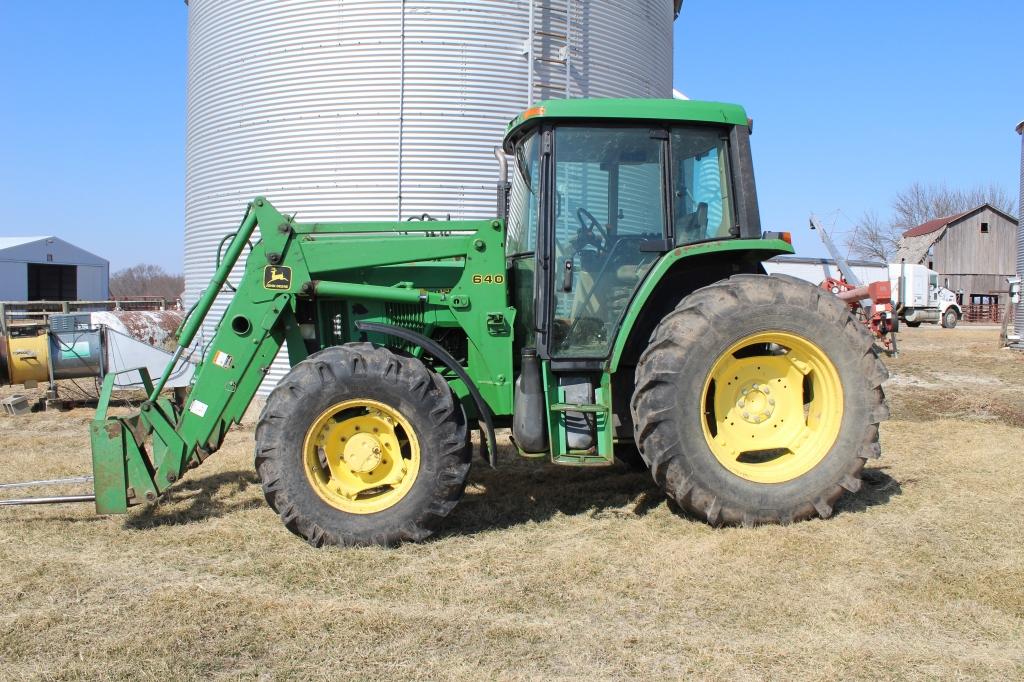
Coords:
pixel 616 307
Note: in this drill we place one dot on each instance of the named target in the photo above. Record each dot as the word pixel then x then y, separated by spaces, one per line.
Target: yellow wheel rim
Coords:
pixel 773 405
pixel 361 456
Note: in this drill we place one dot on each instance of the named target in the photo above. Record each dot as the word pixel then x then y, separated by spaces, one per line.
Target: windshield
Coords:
pixel 522 208
pixel 700 184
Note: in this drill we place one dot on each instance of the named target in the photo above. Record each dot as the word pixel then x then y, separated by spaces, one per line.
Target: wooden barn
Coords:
pixel 973 252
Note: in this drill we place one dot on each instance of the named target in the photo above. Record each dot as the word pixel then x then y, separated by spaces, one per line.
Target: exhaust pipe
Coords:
pixel 504 186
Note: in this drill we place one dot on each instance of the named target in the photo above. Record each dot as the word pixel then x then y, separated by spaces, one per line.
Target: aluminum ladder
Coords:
pixel 549 48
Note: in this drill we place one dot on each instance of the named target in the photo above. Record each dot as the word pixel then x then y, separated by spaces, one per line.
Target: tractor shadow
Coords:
pixel 520 492
pixel 877 488
pixel 200 498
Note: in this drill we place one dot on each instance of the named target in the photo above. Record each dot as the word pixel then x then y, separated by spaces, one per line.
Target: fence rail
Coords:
pixel 985 312
pixel 13 312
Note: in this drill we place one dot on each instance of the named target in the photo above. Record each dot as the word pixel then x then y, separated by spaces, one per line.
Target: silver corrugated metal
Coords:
pixel 1019 313
pixel 384 109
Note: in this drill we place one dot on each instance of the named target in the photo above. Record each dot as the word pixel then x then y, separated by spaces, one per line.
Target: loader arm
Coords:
pixel 137 457
pixel 127 469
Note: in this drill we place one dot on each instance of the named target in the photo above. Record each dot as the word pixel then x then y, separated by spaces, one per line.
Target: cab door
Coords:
pixel 608 226
pixel 522 230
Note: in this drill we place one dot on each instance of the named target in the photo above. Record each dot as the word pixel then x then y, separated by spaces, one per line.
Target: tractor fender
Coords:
pixel 706 263
pixel 435 349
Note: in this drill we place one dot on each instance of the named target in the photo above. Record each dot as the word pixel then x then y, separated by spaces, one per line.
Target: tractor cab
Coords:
pixel 600 190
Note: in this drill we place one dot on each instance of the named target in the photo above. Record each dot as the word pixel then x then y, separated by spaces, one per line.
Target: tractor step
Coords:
pixel 579 407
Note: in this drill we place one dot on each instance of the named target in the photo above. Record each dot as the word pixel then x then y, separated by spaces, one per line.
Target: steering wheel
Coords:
pixel 586 235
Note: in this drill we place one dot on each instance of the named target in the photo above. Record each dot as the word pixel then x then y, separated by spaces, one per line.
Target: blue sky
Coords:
pixel 851 102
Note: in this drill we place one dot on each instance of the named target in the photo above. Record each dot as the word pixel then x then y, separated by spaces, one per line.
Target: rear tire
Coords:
pixel 315 452
pixel 912 325
pixel 950 318
pixel 682 416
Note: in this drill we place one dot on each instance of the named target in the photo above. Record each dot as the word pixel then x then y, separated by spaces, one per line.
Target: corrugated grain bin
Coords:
pixel 385 109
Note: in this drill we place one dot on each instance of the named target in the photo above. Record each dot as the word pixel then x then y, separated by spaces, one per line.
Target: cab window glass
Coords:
pixel 522 209
pixel 700 184
pixel 609 199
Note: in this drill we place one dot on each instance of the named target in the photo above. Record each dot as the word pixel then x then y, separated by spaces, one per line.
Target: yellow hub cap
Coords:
pixel 773 405
pixel 361 456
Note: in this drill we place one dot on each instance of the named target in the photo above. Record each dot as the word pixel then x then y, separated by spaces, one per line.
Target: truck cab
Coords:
pixel 920 297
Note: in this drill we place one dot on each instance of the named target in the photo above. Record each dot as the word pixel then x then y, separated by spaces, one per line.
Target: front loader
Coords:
pixel 616 307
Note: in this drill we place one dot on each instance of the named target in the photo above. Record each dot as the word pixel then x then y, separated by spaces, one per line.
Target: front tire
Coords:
pixel 360 446
pixel 758 401
pixel 950 318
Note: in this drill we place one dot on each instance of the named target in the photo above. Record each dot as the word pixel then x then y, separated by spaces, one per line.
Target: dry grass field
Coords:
pixel 546 572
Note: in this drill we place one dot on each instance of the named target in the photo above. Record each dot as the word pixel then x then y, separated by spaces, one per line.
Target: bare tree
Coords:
pixel 146 280
pixel 920 203
pixel 875 238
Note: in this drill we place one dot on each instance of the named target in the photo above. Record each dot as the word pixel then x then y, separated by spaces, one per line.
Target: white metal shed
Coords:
pixel 816 270
pixel 50 269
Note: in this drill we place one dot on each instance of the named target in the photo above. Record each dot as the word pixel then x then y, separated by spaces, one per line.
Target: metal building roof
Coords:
pixel 8 242
pixel 933 225
pixel 30 250
pixel 814 260
pixel 939 223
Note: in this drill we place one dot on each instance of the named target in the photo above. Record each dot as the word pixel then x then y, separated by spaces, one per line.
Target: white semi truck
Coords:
pixel 919 298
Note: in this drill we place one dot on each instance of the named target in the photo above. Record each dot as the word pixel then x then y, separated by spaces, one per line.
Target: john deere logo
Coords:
pixel 277 277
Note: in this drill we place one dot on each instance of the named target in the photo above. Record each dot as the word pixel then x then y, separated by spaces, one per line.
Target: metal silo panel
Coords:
pixel 624 49
pixel 463 75
pixel 295 100
pixel 382 109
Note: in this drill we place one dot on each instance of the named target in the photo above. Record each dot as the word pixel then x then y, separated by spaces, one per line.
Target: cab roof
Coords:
pixel 662 110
